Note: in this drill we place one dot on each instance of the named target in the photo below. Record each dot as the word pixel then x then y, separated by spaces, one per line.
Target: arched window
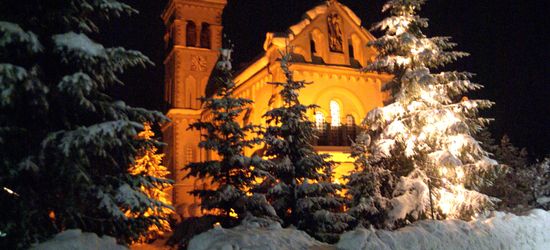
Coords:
pixel 205 35
pixel 312 47
pixel 319 120
pixel 334 114
pixel 350 50
pixel 191 34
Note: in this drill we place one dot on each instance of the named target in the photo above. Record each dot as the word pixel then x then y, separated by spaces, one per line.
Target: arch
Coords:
pixel 205 36
pixel 349 101
pixel 191 34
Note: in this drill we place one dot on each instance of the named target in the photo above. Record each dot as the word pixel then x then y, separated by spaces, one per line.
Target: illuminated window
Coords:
pixel 319 120
pixel 334 114
pixel 191 34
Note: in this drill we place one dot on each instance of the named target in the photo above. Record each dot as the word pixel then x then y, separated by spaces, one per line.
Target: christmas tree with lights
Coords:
pixel 425 135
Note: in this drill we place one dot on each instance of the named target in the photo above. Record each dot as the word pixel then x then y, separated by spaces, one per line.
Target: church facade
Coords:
pixel 329 46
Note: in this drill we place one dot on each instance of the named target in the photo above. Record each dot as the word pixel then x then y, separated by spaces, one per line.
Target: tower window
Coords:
pixel 334 114
pixel 191 34
pixel 205 35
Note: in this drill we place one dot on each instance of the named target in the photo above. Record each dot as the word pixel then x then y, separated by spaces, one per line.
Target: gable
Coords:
pixel 328 34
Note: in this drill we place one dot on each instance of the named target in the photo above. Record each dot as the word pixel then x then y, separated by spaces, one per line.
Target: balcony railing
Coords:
pixel 336 135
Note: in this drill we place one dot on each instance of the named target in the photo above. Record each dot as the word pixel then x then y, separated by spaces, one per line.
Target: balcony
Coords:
pixel 340 136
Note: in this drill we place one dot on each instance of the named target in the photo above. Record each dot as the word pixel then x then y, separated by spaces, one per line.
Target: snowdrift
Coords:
pixel 255 234
pixel 75 239
pixel 499 231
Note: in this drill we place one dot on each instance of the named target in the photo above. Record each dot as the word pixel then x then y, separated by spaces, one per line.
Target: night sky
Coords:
pixel 507 39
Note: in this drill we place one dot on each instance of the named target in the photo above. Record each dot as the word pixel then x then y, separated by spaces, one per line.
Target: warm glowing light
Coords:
pixel 457 143
pixel 441 125
pixel 416 51
pixel 445 201
pixel 51 214
pixel 319 119
pixel 10 191
pixel 217 225
pixel 459 173
pixel 429 96
pixel 149 162
pixel 233 214
pixel 402 26
pixel 400 60
pixel 334 114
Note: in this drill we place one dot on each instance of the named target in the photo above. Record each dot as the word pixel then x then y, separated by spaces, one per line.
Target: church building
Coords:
pixel 329 48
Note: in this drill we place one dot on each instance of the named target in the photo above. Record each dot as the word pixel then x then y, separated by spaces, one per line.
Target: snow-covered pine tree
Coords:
pixel 515 184
pixel 507 153
pixel 148 164
pixel 542 184
pixel 65 144
pixel 369 187
pixel 233 174
pixel 301 192
pixel 426 132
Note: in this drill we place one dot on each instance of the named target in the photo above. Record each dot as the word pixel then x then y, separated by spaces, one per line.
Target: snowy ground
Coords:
pixel 255 234
pixel 75 239
pixel 500 231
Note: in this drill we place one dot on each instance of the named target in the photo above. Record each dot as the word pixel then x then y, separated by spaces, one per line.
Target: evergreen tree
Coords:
pixel 149 164
pixel 426 134
pixel 514 186
pixel 369 187
pixel 542 184
pixel 301 192
pixel 65 144
pixel 233 174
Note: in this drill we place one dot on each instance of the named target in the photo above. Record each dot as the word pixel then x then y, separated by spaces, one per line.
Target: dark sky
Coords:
pixel 507 39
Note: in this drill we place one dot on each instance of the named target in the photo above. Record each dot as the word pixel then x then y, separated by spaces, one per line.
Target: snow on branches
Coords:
pixel 425 136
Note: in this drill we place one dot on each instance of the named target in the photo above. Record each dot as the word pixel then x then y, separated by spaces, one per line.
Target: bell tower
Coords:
pixel 192 41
